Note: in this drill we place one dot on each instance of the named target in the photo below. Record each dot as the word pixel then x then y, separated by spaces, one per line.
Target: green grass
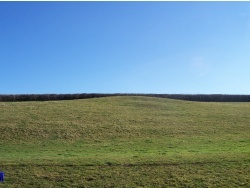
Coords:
pixel 125 142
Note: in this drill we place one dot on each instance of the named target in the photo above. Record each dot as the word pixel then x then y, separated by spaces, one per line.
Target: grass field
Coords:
pixel 125 142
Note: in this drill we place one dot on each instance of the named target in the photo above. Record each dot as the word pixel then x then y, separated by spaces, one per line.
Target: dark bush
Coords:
pixel 50 97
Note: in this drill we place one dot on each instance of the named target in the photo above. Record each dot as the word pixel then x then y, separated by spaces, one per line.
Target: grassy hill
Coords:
pixel 125 141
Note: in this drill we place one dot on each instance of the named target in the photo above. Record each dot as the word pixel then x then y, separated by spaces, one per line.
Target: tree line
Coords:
pixel 189 97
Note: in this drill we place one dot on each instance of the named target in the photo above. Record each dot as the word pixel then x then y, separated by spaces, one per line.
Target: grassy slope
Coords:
pixel 125 142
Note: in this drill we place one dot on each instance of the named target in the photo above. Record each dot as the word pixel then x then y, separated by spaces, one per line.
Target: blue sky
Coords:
pixel 125 47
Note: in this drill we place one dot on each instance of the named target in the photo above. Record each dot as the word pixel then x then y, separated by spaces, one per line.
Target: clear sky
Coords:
pixel 125 47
